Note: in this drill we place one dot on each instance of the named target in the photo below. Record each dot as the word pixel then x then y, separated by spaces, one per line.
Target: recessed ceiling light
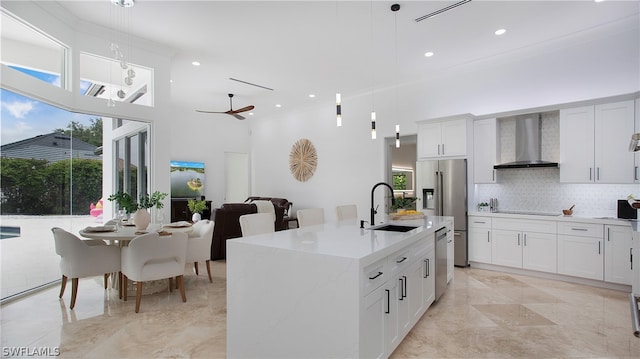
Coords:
pixel 195 63
pixel 250 113
pixel 428 54
pixel 312 95
pixel 598 0
pixel 278 105
pixel 500 31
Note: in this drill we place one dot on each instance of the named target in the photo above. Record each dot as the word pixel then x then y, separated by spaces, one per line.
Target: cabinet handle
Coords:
pixel 479 222
pixel 404 291
pixel 631 257
pixel 579 229
pixel 635 173
pixel 426 267
pixel 518 238
pixel 443 148
pixel 608 234
pixel 488 234
pixel 402 260
pixel 599 244
pixel 494 175
pixel 388 301
pixel 598 174
pixel 401 290
pixel 438 148
pixel 590 176
pixel 375 276
pixel 525 239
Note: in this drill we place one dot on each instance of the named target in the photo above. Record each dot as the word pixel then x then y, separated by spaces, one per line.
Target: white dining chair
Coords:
pixel 79 260
pixel 310 217
pixel 199 245
pixel 346 212
pixel 152 257
pixel 266 207
pixel 256 223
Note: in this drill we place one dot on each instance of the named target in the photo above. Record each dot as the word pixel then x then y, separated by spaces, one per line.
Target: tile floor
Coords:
pixel 483 314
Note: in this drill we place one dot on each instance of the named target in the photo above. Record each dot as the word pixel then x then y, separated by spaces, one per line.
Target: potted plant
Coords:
pixel 482 206
pixel 403 203
pixel 141 216
pixel 196 206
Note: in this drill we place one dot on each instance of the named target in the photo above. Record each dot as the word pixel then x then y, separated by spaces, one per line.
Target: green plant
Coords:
pixel 404 203
pixel 197 205
pixel 128 203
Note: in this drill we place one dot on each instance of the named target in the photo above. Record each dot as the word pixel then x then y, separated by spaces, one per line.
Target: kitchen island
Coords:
pixel 332 290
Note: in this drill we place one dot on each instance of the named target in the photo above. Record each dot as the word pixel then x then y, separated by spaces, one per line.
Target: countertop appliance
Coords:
pixel 443 185
pixel 441 261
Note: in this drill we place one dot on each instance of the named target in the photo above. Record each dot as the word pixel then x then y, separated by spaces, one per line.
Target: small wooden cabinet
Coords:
pixel 442 139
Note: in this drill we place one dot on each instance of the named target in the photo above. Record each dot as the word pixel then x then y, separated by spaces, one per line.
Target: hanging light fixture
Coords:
pixel 395 8
pixel 123 3
pixel 373 125
pixel 338 110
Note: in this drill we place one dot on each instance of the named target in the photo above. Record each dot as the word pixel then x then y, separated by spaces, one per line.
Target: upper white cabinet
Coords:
pixel 442 138
pixel 594 143
pixel 485 150
pixel 636 169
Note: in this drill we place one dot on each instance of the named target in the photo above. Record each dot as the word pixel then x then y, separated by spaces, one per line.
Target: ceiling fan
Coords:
pixel 232 112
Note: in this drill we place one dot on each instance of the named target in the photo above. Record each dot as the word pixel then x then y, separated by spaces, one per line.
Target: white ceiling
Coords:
pixel 352 47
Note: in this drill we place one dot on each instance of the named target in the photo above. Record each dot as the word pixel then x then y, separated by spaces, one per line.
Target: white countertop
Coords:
pixel 561 218
pixel 346 239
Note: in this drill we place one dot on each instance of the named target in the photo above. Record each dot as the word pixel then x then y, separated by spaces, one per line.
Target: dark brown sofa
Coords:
pixel 227 221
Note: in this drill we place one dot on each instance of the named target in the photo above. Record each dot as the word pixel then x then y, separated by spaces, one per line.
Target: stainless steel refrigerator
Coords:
pixel 442 186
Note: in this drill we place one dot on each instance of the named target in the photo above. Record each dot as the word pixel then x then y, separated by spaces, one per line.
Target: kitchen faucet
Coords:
pixel 373 210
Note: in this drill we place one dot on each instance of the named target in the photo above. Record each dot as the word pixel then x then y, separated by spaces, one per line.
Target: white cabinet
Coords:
pixel 374 323
pixel 450 254
pixel 485 150
pixel 442 139
pixel 580 250
pixel 617 254
pixel 636 168
pixel 528 244
pixel 480 239
pixel 594 142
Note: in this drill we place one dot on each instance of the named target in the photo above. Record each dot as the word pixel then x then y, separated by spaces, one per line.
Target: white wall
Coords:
pixel 591 66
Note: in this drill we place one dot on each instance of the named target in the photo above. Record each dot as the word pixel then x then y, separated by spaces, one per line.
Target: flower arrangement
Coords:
pixel 128 203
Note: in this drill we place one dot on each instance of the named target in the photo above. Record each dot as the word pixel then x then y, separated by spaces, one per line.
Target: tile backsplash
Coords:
pixel 539 189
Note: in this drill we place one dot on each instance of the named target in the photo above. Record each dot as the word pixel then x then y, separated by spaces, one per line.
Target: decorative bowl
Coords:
pixel 567 212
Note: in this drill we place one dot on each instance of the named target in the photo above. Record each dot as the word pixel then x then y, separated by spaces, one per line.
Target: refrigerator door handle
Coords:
pixel 441 192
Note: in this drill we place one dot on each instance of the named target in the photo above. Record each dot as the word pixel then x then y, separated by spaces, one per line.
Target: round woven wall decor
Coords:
pixel 303 160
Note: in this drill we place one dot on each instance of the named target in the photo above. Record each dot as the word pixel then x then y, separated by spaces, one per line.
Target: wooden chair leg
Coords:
pixel 171 284
pixel 74 292
pixel 138 296
pixel 63 285
pixel 106 280
pixel 195 266
pixel 209 270
pixel 125 284
pixel 180 280
pixel 120 285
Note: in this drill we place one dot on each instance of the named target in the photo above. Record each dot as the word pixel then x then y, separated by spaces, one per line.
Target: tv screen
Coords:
pixel 187 179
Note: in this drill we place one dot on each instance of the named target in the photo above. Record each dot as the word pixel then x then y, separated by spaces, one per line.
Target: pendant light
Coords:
pixel 397 136
pixel 338 110
pixel 373 125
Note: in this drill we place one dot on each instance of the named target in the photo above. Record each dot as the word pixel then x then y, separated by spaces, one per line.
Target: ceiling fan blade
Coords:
pixel 209 111
pixel 244 109
pixel 238 116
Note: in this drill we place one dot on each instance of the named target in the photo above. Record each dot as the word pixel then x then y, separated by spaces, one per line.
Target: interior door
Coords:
pixel 236 169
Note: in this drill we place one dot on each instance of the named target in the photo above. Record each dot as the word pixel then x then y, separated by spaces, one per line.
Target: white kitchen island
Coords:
pixel 329 291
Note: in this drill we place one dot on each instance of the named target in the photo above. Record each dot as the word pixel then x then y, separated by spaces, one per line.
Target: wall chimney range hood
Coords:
pixel 528 145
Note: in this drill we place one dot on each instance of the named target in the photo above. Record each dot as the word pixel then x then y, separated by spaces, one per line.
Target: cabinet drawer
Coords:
pixel 400 260
pixel 511 224
pixel 480 222
pixel 581 229
pixel 374 275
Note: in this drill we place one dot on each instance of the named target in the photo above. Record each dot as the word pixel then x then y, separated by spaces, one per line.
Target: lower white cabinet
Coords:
pixel 534 249
pixel 375 323
pixel 617 252
pixel 580 250
pixel 479 239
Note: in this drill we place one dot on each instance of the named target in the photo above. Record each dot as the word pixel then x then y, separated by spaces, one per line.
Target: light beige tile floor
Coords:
pixel 483 314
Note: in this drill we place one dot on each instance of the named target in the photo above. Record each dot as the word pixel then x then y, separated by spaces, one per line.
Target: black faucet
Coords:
pixel 373 210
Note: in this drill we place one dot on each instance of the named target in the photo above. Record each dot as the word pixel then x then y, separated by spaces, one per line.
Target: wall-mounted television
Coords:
pixel 187 179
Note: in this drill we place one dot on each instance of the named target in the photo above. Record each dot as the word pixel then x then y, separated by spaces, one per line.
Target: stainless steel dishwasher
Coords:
pixel 441 261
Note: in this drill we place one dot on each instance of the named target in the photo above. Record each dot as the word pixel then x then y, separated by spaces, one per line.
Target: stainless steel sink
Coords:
pixel 394 228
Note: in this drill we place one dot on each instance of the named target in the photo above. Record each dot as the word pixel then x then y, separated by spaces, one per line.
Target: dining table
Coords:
pixel 122 234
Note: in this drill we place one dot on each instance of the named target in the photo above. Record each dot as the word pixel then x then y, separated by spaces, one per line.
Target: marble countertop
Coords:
pixel 346 238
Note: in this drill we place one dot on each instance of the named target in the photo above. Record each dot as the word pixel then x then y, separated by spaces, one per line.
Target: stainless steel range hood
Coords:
pixel 528 144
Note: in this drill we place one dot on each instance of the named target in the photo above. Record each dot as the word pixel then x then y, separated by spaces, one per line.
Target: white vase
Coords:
pixel 196 217
pixel 141 219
